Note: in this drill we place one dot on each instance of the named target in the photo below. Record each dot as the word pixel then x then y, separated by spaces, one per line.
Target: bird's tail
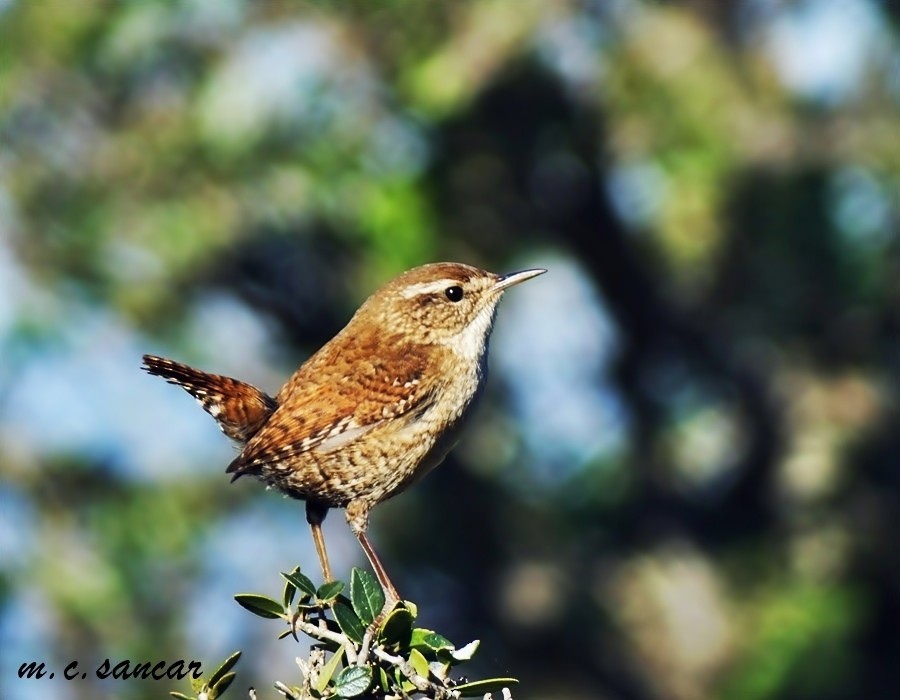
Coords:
pixel 239 408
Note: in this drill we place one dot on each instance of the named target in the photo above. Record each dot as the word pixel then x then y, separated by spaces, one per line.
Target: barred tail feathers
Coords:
pixel 239 408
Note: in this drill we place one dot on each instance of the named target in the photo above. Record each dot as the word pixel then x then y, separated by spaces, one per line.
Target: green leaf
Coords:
pixel 353 681
pixel 419 662
pixel 260 605
pixel 287 597
pixel 180 696
pixel 429 639
pixel 400 680
pixel 198 685
pixel 329 670
pixel 223 668
pixel 221 686
pixel 397 628
pixel 488 685
pixel 467 652
pixel 330 590
pixel 366 594
pixel 300 582
pixel 438 642
pixel 383 679
pixel 418 636
pixel 349 623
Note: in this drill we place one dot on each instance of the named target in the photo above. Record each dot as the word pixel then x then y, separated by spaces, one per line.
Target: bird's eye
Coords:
pixel 454 293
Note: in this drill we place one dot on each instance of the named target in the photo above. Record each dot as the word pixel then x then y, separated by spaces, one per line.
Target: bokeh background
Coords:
pixel 684 480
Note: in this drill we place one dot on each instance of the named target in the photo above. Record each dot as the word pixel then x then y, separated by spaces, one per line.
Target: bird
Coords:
pixel 374 409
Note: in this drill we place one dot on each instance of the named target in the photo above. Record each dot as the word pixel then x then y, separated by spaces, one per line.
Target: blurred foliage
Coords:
pixel 229 179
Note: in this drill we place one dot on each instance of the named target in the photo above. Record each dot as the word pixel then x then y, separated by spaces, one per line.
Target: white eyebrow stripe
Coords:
pixel 432 287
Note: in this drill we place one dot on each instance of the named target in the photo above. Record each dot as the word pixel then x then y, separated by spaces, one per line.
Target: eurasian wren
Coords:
pixel 375 409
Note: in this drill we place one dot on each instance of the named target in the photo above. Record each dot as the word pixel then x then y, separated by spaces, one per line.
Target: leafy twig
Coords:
pixel 361 649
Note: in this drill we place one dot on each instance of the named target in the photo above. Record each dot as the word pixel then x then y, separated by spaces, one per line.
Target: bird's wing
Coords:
pixel 336 398
pixel 239 408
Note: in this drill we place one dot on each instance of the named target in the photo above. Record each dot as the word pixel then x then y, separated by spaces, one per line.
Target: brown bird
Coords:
pixel 375 409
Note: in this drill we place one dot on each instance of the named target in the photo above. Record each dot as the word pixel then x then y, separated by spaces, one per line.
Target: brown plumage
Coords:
pixel 375 408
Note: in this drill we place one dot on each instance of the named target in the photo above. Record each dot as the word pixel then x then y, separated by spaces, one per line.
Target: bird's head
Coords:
pixel 448 304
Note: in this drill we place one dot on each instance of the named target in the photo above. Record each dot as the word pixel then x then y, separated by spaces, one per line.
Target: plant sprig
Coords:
pixel 360 650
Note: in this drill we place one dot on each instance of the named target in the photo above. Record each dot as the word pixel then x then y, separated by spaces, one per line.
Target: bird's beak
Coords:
pixel 515 278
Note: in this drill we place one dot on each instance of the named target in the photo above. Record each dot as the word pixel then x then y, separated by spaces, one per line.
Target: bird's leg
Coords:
pixel 315 514
pixel 358 519
pixel 391 597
